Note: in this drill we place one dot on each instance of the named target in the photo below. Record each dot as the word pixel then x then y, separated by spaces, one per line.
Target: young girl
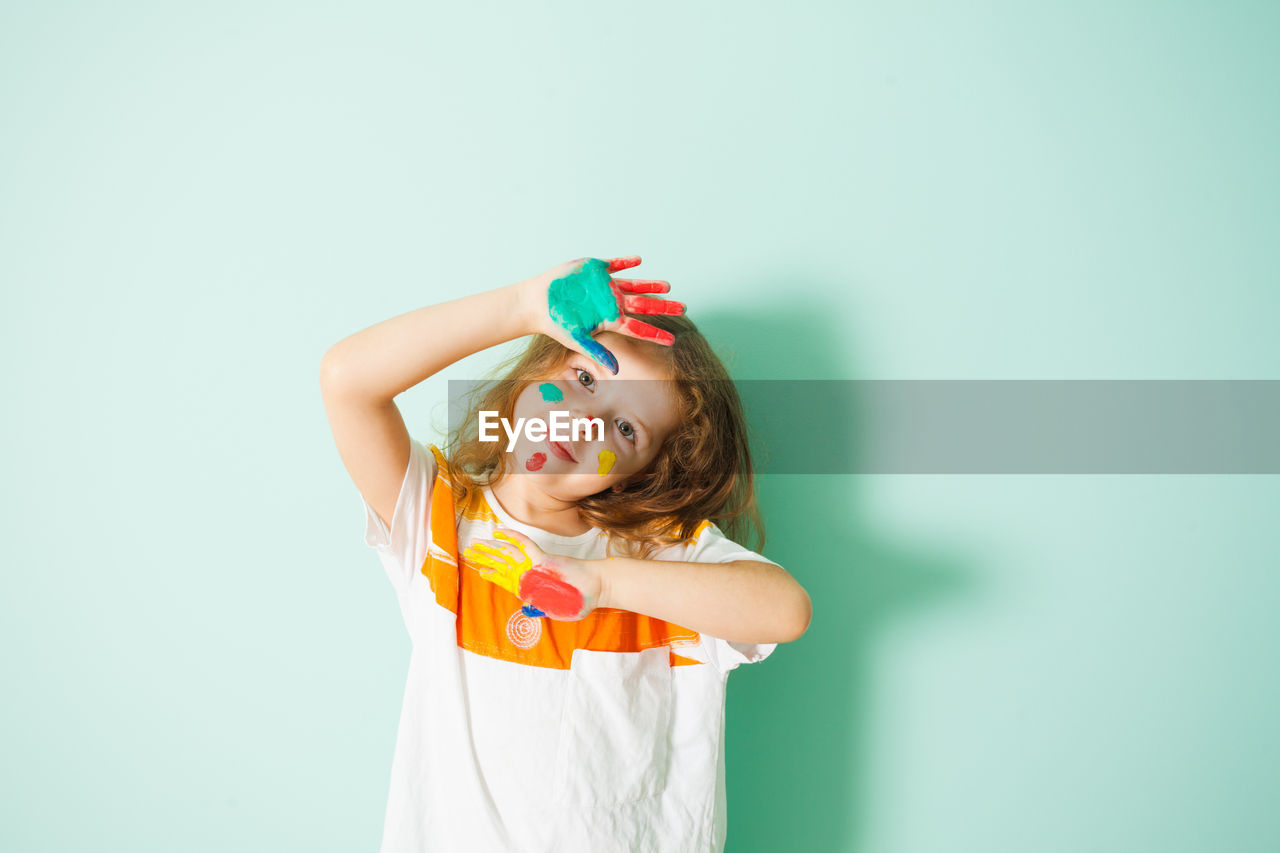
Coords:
pixel 573 608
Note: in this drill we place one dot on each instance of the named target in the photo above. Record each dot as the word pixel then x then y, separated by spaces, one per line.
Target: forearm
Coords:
pixel 746 601
pixel 391 357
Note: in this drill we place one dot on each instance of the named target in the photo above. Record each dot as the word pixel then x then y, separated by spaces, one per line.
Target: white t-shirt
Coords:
pixel 531 734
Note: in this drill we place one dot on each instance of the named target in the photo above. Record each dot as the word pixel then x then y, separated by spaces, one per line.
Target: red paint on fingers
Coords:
pixel 627 262
pixel 638 329
pixel 651 305
pixel 642 285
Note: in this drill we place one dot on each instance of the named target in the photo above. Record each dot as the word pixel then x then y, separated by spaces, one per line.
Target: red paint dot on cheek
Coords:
pixel 548 591
pixel 535 461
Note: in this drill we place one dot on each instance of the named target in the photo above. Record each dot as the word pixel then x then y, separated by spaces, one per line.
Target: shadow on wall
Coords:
pixel 799 727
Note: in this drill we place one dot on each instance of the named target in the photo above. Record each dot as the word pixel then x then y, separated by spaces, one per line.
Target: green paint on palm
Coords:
pixel 581 301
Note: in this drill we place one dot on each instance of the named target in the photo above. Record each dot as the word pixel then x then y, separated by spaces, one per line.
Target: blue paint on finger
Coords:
pixel 597 351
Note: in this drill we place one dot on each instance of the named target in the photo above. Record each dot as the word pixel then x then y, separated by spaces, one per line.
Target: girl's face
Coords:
pixel 637 406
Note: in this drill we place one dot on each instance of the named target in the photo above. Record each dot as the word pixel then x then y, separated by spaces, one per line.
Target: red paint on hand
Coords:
pixel 647 331
pixel 626 262
pixel 547 590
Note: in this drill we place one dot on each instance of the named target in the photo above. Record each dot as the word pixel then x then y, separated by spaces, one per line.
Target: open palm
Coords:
pixel 575 300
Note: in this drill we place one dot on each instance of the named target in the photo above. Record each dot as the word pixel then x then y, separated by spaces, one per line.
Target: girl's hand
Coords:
pixel 564 588
pixel 572 301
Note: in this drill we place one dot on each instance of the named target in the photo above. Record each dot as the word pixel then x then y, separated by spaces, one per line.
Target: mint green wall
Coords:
pixel 196 201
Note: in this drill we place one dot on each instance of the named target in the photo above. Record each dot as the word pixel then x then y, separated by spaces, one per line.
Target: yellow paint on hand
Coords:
pixel 606 462
pixel 496 565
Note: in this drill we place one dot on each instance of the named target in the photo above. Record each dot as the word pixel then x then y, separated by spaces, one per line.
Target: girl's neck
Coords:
pixel 530 506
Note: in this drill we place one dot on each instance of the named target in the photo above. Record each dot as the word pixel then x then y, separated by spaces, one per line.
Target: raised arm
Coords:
pixel 391 357
pixel 361 375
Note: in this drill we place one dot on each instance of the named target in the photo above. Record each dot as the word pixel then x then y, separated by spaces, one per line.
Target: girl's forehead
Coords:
pixel 636 360
pixel 643 382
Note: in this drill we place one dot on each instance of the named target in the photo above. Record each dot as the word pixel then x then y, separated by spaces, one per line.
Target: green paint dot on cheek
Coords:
pixel 550 392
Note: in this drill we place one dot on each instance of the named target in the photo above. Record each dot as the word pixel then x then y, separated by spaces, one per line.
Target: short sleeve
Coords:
pixel 403 547
pixel 710 545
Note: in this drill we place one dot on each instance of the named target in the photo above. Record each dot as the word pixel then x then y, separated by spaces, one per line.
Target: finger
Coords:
pixel 486 565
pixel 498 553
pixel 642 285
pixel 492 546
pixel 504 576
pixel 482 559
pixel 586 345
pixel 644 331
pixel 512 555
pixel 569 341
pixel 649 305
pixel 515 538
pixel 509 563
pixel 596 351
pixel 623 263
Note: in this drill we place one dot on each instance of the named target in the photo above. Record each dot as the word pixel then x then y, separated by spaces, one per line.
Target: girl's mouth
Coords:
pixel 559 448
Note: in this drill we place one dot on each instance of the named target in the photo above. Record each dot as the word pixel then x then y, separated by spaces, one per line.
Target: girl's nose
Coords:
pixel 586 413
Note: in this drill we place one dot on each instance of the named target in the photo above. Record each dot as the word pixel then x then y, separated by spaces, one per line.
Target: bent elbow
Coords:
pixel 803 615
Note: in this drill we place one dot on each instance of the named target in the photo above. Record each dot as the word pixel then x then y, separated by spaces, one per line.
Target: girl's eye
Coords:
pixel 624 427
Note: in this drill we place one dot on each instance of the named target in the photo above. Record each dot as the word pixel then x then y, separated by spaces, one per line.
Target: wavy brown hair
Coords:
pixel 702 471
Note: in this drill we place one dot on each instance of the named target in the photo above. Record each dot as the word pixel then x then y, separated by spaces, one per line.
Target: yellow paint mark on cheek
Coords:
pixel 606 462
